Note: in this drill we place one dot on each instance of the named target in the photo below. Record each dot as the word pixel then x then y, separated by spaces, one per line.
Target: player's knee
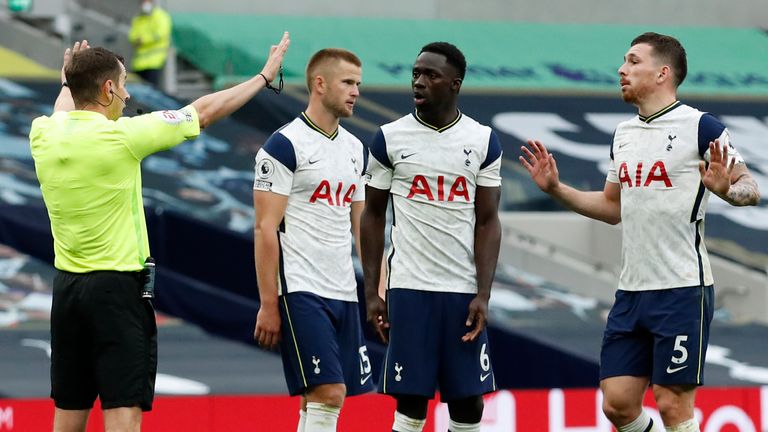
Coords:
pixel 618 411
pixel 674 406
pixel 414 407
pixel 668 407
pixel 328 394
pixel 468 410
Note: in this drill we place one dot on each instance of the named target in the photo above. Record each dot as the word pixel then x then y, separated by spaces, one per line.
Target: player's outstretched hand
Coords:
pixel 477 318
pixel 377 315
pixel 717 176
pixel 540 165
pixel 275 59
pixel 267 332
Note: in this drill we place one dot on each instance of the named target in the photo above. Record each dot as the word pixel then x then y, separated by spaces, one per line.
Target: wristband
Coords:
pixel 279 87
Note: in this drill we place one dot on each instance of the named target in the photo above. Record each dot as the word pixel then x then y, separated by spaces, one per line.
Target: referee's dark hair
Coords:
pixel 87 71
pixel 669 49
pixel 453 55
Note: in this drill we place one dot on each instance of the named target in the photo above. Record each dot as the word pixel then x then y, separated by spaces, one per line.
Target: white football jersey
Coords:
pixel 655 160
pixel 432 175
pixel 322 175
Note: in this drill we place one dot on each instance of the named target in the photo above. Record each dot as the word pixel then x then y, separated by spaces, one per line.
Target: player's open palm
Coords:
pixel 540 165
pixel 267 332
pixel 717 176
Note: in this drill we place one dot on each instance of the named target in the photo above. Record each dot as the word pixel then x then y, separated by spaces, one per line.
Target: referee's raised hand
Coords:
pixel 215 106
pixel 69 52
pixel 275 59
pixel 64 101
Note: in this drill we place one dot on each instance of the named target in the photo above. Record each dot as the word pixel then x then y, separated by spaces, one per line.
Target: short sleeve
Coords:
pixel 42 123
pixel 379 173
pixel 159 130
pixel 275 165
pixel 710 129
pixel 490 170
pixel 359 194
pixel 612 176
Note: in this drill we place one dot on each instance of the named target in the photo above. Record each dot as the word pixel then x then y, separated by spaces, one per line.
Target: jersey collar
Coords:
pixel 435 128
pixel 661 112
pixel 317 128
pixel 85 114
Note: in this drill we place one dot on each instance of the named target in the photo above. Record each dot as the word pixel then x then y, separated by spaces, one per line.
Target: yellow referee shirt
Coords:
pixel 90 175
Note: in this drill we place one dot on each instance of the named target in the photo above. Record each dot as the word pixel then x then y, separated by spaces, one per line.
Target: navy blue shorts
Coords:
pixel 425 350
pixel 660 334
pixel 322 343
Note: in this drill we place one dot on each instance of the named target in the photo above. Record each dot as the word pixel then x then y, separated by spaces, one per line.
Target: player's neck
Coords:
pixel 439 117
pixel 322 118
pixel 655 103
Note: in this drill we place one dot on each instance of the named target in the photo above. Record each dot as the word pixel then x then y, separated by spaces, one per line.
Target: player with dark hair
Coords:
pixel 441 169
pixel 664 164
pixel 88 161
pixel 308 196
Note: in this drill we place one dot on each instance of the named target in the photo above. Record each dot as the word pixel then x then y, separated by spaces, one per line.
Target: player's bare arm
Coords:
pixel 730 181
pixel 743 190
pixel 372 223
pixel 64 101
pixel 215 106
pixel 542 167
pixel 487 243
pixel 269 208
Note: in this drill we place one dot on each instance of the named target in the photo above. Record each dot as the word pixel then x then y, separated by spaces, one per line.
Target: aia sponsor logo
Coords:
pixel 333 196
pixel 421 186
pixel 657 174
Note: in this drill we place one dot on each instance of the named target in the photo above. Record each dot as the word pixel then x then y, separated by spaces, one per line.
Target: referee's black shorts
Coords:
pixel 103 341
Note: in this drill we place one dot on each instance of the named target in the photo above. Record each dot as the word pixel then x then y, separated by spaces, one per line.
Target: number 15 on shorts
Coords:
pixel 365 362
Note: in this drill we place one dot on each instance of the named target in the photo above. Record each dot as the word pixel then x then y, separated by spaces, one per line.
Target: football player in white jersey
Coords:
pixel 308 197
pixel 441 169
pixel 664 164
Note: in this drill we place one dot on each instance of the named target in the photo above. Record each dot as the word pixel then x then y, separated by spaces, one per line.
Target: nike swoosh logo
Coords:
pixel 313 161
pixel 363 380
pixel 623 145
pixel 484 377
pixel 671 370
pixel 406 156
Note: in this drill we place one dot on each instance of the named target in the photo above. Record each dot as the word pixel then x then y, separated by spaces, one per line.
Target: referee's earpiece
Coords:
pixel 116 95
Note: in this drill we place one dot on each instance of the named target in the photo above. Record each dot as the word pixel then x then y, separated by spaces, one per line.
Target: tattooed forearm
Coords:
pixel 743 191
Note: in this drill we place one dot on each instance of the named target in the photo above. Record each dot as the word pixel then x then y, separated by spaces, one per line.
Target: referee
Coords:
pixel 87 158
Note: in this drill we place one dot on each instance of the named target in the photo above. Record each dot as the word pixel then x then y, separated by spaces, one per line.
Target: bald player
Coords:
pixel 308 197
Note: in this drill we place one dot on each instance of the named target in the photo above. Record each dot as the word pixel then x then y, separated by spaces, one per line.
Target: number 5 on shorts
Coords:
pixel 679 347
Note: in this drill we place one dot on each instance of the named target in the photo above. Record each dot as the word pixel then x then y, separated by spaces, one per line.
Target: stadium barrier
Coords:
pixel 735 409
